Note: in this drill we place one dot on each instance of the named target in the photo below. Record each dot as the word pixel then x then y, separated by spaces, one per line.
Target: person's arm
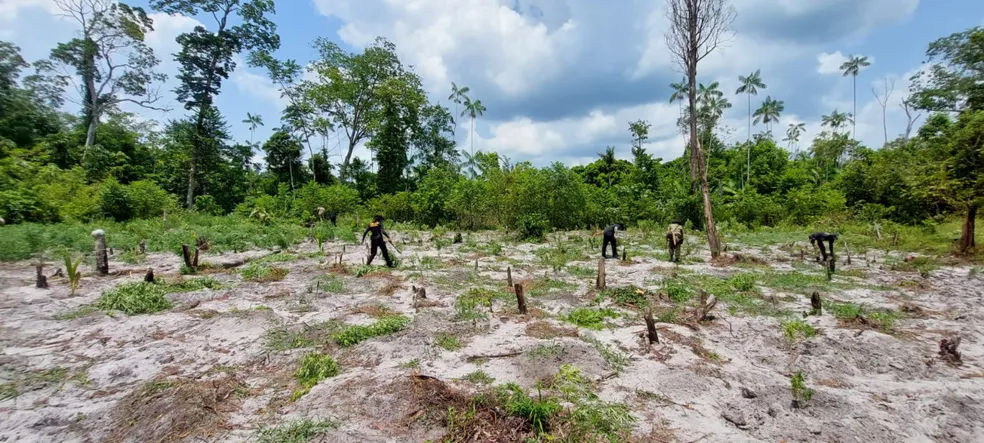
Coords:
pixel 364 235
pixel 386 234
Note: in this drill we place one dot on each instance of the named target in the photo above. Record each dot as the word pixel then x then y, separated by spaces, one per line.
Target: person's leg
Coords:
pixel 386 255
pixel 833 259
pixel 372 254
pixel 823 251
pixel 614 247
pixel 604 246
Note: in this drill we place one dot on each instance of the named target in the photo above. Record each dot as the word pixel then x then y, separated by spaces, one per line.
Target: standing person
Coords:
pixel 674 238
pixel 817 239
pixel 611 233
pixel 376 240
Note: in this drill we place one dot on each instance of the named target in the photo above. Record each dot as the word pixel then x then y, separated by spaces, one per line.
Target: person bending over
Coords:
pixel 817 239
pixel 611 234
pixel 674 238
pixel 376 240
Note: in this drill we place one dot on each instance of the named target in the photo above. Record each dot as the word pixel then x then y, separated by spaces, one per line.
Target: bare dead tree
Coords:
pixel 910 114
pixel 697 28
pixel 889 86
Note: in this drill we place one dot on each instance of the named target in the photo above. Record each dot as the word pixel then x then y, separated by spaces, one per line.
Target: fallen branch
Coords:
pixel 503 355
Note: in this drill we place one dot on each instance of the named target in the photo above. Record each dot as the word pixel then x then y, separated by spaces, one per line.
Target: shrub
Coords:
pixel 742 282
pixel 532 226
pixel 149 200
pixel 206 204
pixel 115 201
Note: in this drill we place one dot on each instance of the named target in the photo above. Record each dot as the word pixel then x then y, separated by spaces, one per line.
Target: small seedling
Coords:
pixel 801 393
pixel 72 270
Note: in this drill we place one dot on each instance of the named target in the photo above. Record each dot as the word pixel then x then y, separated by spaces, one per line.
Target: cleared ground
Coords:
pixel 221 361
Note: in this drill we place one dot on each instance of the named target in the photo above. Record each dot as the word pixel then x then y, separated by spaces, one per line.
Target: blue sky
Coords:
pixel 563 78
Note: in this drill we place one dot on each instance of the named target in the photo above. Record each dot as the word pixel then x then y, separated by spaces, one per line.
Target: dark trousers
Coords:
pixel 674 248
pixel 376 245
pixel 823 252
pixel 604 246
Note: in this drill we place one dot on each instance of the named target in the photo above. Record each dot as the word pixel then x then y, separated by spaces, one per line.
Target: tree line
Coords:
pixel 105 163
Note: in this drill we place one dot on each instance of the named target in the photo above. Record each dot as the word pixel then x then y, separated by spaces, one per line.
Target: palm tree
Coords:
pixel 853 67
pixel 679 93
pixel 458 96
pixel 253 121
pixel 836 120
pixel 473 109
pixel 712 100
pixel 769 112
pixel 750 86
pixel 793 133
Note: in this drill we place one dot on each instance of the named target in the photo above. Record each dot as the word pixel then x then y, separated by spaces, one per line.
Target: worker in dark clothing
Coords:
pixel 611 233
pixel 334 218
pixel 674 238
pixel 376 240
pixel 817 239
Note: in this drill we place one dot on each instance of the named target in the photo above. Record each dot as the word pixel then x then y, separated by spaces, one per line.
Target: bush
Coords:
pixel 148 200
pixel 533 226
pixel 115 201
pixel 206 204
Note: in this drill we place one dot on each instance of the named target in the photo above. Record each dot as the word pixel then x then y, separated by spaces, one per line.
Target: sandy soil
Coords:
pixel 94 378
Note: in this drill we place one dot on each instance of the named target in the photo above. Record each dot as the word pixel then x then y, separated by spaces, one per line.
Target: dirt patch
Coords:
pixel 176 410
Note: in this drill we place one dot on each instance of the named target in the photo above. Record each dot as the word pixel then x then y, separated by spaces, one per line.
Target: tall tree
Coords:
pixel 793 133
pixel 254 121
pixel 955 83
pixel 206 58
pixel 109 59
pixel 697 28
pixel 283 157
pixel 853 67
pixel 402 98
pixel 889 86
pixel 346 89
pixel 473 109
pixel 749 86
pixel 458 96
pixel 640 135
pixel 679 95
pixel 432 145
pixel 836 120
pixel 769 112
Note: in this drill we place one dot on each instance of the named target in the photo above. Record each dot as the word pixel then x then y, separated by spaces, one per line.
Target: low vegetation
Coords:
pixel 355 334
pixel 314 367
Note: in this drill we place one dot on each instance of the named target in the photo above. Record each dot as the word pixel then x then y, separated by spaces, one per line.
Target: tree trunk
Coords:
pixel 651 335
pixel 967 233
pixel 854 121
pixel 520 298
pixel 190 196
pixel 343 173
pixel 698 161
pixel 748 178
pixel 102 259
pixel 41 281
pixel 90 135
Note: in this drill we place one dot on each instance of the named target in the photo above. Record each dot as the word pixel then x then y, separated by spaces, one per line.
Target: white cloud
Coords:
pixel 10 8
pixel 830 63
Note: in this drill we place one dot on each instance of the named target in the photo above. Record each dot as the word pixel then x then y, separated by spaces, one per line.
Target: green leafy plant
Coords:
pixel 801 393
pixel 742 282
pixel 301 431
pixel 590 318
pixel 354 334
pixel 447 341
pixel 135 298
pixel 537 412
pixel 797 328
pixel 72 270
pixel 262 273
pixel 314 368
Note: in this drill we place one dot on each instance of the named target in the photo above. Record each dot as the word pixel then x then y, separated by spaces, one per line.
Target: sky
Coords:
pixel 562 79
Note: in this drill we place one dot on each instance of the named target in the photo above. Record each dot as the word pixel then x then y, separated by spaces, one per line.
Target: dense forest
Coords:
pixel 103 163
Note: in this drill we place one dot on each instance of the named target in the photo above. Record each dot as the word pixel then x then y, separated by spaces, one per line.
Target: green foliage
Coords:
pixel 615 359
pixel 471 305
pixel 115 202
pixel 795 328
pixel 71 270
pixel 135 298
pixel 801 393
pixel 532 226
pixel 300 431
pixel 354 334
pixel 589 318
pixel 630 296
pixel 262 273
pixel 478 377
pixel 537 412
pixel 314 368
pixel 447 341
pixel 742 282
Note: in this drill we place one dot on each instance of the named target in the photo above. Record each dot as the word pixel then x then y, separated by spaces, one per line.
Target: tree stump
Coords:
pixel 948 350
pixel 600 280
pixel 816 304
pixel 625 254
pixel 149 277
pixel 520 298
pixel 705 307
pixel 143 246
pixel 476 265
pixel 42 281
pixel 651 327
pixel 102 259
pixel 191 263
pixel 509 281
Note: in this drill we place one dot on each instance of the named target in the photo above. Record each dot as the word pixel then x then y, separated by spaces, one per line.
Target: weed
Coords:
pixel 281 338
pixel 801 393
pixel 588 417
pixel 194 284
pixel 493 248
pixel 72 270
pixel 859 273
pixel 615 359
pixel 478 377
pixel 881 319
pixel 135 298
pixel 410 364
pixel 581 271
pixel 300 431
pixel 8 391
pixel 589 317
pixel 545 350
pixel 743 282
pixel 279 257
pixel 314 368
pixel 262 273
pixel 794 328
pixel 330 283
pixel 631 297
pixel 540 288
pixel 472 304
pixel 82 311
pixel 537 412
pixel 447 341
pixel 975 272
pixel 678 290
pixel 364 270
pixel 923 265
pixel 546 330
pixel 354 334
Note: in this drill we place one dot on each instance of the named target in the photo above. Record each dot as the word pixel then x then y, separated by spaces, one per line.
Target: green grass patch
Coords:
pixel 543 287
pixel 447 341
pixel 300 431
pixel 258 272
pixel 279 257
pixel 354 334
pixel 135 298
pixel 630 297
pixel 479 377
pixel 314 367
pixel 282 338
pixel 546 350
pixel 473 304
pixel 881 319
pixel 923 265
pixel 616 360
pixel 590 318
pixel 794 329
pixel 193 284
pixel 330 284
pixel 582 271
